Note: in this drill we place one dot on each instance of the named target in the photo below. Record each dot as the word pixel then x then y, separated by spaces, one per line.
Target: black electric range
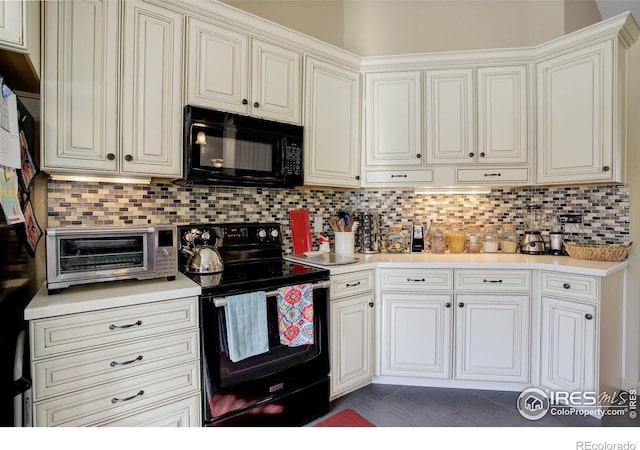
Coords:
pixel 252 257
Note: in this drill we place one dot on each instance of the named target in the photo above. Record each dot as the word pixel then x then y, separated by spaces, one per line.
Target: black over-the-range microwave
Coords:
pixel 222 148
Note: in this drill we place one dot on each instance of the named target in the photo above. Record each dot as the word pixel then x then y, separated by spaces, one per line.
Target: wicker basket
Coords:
pixel 598 252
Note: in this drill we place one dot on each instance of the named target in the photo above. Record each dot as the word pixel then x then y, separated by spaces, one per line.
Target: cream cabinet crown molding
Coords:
pixel 264 28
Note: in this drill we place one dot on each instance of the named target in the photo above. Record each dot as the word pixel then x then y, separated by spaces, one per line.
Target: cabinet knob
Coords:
pixel 128 158
pixel 471 154
pixel 606 168
pixel 461 305
pixel 111 156
pixel 256 105
pixel 566 286
pixel 482 154
pixel 357 177
pixel 244 101
pixel 371 304
pixel 447 305
pixel 588 316
pixel 418 156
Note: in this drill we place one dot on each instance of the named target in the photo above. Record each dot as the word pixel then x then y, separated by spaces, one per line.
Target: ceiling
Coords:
pixel 610 8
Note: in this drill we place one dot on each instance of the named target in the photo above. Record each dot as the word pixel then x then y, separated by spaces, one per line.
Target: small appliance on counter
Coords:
pixel 532 242
pixel 556 239
pixel 417 239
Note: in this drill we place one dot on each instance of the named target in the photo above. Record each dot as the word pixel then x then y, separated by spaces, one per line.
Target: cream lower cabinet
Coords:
pixel 112 106
pixel 581 333
pixel 351 337
pixel 470 325
pixel 129 366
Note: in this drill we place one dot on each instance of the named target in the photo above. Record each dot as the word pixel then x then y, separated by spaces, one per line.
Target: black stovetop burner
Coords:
pixel 252 256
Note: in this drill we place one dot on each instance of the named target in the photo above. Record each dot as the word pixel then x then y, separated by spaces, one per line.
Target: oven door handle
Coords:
pixel 222 301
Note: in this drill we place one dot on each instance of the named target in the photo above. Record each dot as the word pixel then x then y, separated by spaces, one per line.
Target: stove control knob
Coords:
pixel 262 233
pixel 274 233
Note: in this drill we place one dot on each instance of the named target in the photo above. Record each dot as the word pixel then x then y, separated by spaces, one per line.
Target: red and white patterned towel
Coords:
pixel 295 315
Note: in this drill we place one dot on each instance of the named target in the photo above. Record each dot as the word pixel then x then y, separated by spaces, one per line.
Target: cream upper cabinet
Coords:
pixel 96 123
pixel 393 119
pixel 576 101
pixel 331 125
pixel 151 90
pixel 450 124
pixel 477 116
pixel 12 20
pixel 80 86
pixel 232 71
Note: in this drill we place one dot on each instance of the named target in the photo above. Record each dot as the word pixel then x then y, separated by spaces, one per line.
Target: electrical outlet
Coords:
pixel 318 224
pixel 570 218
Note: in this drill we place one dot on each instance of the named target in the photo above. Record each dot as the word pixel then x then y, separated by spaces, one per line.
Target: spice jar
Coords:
pixel 456 238
pixel 491 239
pixel 473 238
pixel 396 240
pixel 438 237
pixel 509 238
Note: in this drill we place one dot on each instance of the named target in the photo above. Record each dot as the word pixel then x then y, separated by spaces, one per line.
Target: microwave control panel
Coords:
pixel 293 160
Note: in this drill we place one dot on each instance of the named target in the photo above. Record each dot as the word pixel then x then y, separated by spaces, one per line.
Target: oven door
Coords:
pixel 266 388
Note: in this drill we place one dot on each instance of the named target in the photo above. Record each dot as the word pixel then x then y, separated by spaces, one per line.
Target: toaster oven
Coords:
pixel 82 255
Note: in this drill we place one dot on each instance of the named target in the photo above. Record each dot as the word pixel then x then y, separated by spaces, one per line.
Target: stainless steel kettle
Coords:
pixel 202 259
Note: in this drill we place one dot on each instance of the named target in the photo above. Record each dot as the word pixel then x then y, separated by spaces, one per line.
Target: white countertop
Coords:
pixel 479 261
pixel 113 294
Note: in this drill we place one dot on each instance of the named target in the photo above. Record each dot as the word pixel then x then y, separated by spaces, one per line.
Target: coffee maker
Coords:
pixel 368 237
pixel 532 242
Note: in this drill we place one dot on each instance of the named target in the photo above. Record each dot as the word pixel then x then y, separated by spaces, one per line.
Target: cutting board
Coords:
pixel 300 231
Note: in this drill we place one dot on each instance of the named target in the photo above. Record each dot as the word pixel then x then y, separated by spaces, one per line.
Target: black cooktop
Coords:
pixel 252 257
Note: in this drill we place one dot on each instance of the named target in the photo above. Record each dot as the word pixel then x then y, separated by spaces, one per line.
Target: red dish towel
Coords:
pixel 295 315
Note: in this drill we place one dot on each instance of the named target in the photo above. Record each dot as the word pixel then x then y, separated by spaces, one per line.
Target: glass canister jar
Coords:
pixel 491 239
pixel 456 237
pixel 396 240
pixel 438 237
pixel 473 238
pixel 509 238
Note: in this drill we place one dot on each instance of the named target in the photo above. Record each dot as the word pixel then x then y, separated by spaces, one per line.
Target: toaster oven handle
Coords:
pixel 222 301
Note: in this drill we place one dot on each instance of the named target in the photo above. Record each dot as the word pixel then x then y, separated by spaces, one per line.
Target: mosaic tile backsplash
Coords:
pixel 605 209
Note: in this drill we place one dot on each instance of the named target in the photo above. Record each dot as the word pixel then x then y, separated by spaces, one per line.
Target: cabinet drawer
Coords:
pixel 490 175
pixel 493 280
pixel 57 376
pixel 347 284
pixel 91 406
pixel 76 332
pixel 181 413
pixel 412 279
pixel 581 287
pixel 395 177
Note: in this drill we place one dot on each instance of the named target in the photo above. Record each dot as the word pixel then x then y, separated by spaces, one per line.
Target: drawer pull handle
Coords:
pixel 121 327
pixel 353 285
pixel 399 176
pixel 491 281
pixel 588 316
pixel 566 286
pixel 126 399
pixel 496 174
pixel 417 280
pixel 125 363
pixel 461 305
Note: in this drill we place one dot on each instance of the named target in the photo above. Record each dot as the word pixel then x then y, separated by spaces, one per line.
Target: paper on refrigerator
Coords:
pixel 9 195
pixel 9 130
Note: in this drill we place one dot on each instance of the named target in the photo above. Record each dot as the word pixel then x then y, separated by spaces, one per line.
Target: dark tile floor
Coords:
pixel 407 406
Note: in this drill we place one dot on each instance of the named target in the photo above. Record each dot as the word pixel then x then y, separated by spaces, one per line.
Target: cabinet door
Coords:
pixel 450 116
pixel 575 116
pixel 492 337
pixel 332 125
pixel 217 67
pixel 393 119
pixel 568 346
pixel 152 90
pixel 12 22
pixel 80 85
pixel 502 115
pixel 416 335
pixel 351 343
pixel 276 77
